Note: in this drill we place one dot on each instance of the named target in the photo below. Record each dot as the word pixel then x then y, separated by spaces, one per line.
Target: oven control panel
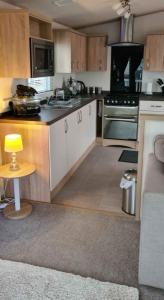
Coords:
pixel 122 100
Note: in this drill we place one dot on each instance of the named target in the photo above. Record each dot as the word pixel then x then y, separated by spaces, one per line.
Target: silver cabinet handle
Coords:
pixel 90 110
pixel 66 126
pixel 78 117
pixel 128 107
pixel 156 106
pixel 121 119
pixel 81 116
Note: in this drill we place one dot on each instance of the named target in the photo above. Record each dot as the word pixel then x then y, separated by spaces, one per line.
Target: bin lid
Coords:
pixel 130 174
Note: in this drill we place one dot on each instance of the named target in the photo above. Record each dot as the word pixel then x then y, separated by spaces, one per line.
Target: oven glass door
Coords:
pixel 120 123
pixel 119 129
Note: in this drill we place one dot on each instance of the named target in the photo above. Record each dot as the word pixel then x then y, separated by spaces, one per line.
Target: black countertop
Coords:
pixel 46 116
pixel 153 97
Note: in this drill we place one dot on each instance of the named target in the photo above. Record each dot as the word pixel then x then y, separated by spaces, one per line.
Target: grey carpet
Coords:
pixel 27 282
pixel 96 184
pixel 76 241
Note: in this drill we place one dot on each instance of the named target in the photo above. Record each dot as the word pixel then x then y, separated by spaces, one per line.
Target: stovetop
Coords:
pixel 121 99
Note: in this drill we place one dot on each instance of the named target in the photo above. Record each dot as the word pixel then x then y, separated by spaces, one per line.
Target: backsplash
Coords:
pixel 152 77
pixel 102 79
pixel 58 79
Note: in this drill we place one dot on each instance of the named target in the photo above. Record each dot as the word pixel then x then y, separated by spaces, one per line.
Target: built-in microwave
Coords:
pixel 42 58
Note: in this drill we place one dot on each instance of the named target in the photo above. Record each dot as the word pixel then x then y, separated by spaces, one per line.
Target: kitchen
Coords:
pixel 93 106
pixel 123 132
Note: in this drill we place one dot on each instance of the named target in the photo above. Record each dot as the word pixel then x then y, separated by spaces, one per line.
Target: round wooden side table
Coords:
pixel 17 211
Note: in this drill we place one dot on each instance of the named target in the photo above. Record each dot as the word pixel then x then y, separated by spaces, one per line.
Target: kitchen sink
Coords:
pixel 57 107
pixel 61 104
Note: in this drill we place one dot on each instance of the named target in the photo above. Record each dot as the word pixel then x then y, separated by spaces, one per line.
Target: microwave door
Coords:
pixel 42 58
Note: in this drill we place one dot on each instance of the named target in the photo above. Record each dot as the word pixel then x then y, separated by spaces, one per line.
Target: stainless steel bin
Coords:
pixel 129 194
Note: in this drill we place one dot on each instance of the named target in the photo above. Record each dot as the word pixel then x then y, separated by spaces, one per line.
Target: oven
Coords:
pixel 42 58
pixel 120 119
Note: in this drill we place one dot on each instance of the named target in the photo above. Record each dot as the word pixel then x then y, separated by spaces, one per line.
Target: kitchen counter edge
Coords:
pixel 46 117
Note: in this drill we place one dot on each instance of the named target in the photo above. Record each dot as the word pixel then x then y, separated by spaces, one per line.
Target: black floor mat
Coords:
pixel 129 156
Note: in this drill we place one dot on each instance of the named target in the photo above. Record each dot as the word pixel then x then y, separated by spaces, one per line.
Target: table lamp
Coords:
pixel 13 144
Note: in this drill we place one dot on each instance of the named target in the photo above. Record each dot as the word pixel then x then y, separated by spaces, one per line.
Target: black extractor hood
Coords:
pixel 126 32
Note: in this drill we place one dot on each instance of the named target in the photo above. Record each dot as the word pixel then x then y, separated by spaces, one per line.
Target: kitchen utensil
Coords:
pixel 161 84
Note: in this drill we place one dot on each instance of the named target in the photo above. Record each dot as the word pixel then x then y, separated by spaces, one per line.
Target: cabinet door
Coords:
pixel 62 51
pixel 154 53
pixel 97 54
pixel 78 52
pixel 83 53
pixel 83 130
pixel 75 50
pixel 72 137
pixel 14 40
pixel 92 121
pixel 58 152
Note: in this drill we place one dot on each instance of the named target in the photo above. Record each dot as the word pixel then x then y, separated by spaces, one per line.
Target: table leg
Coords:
pixel 16 194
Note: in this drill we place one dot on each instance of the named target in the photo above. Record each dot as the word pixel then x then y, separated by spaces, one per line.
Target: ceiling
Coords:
pixel 78 13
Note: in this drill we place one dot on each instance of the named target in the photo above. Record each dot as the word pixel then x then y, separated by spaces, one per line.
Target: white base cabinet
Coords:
pixel 58 152
pixel 69 138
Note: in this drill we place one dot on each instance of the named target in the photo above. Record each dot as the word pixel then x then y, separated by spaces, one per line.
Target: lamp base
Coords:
pixel 11 213
pixel 14 165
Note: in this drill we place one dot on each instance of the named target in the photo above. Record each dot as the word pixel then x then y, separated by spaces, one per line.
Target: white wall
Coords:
pixel 58 79
pixel 152 77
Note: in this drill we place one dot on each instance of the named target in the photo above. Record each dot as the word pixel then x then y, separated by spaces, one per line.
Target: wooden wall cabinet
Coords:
pixel 96 53
pixel 16 27
pixel 41 29
pixel 154 53
pixel 70 52
pixel 14 44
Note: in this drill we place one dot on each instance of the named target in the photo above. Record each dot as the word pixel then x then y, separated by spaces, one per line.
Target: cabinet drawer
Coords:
pixel 155 107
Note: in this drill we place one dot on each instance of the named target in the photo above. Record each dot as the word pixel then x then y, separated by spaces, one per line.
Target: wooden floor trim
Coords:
pixel 85 209
pixel 99 211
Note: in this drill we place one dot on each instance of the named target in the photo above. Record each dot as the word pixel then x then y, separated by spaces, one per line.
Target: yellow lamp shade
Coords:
pixel 13 143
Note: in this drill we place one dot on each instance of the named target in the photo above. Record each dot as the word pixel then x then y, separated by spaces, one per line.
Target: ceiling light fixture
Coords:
pixel 61 3
pixel 123 8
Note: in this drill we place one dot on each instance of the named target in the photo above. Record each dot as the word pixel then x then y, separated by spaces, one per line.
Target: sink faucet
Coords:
pixel 50 99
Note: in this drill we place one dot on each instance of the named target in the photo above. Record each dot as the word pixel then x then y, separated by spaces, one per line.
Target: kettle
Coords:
pixel 81 87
